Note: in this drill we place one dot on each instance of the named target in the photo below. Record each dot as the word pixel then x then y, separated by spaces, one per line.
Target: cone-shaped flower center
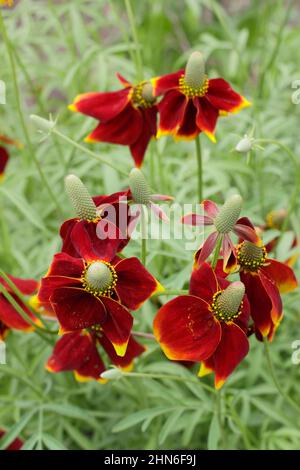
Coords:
pixel 99 278
pixel 80 198
pixel 228 214
pixel 139 187
pixel 194 82
pixel 228 304
pixel 250 256
pixel 142 95
pixel 276 218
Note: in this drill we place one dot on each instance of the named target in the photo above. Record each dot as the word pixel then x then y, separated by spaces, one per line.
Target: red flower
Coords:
pixel 78 352
pixel 127 117
pixel 224 221
pixel 15 445
pixel 192 102
pixel 96 292
pixel 9 317
pixel 207 326
pixel 264 279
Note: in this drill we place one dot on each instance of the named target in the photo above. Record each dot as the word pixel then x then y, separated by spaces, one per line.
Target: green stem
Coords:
pixel 218 405
pixel 217 251
pixel 172 292
pixel 87 151
pixel 141 334
pixel 138 55
pixel 275 380
pixel 143 235
pixel 199 168
pixel 21 115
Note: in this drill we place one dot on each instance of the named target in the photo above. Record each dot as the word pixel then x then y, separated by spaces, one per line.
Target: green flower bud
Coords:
pixel 111 374
pixel 42 124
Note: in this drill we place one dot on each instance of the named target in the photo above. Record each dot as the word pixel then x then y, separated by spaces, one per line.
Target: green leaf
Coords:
pixel 213 433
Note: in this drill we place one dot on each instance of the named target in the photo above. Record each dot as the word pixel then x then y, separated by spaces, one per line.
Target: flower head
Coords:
pixel 96 292
pixel 192 102
pixel 78 352
pixel 209 325
pixel 127 117
pixel 224 220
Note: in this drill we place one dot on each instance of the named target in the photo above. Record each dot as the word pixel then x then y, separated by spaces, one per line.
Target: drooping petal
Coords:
pixel 135 284
pixel 243 319
pixel 168 82
pixel 148 131
pixel 77 309
pixel 4 157
pixel 210 208
pixel 25 286
pixel 171 112
pixel 118 325
pixel 123 80
pixel 161 197
pixel 102 106
pixel 11 318
pixel 206 118
pixel 208 247
pixel 274 295
pixel 160 214
pixel 196 219
pixel 281 274
pixel 223 97
pixel 188 128
pixel 186 329
pixel 134 349
pixel 124 129
pixel 203 282
pixel 232 349
pixel 246 233
pixel 65 233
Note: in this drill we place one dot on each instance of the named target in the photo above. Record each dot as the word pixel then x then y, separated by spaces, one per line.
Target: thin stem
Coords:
pixel 138 55
pixel 141 334
pixel 171 292
pixel 21 115
pixel 87 151
pixel 218 405
pixel 199 168
pixel 275 380
pixel 217 251
pixel 143 235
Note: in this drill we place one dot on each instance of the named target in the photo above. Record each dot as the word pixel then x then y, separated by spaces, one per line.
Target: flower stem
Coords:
pixel 275 380
pixel 141 334
pixel 143 235
pixel 199 169
pixel 21 115
pixel 217 252
pixel 138 55
pixel 172 292
pixel 87 151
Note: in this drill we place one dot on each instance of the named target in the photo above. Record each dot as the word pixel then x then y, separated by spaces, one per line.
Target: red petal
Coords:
pixel 50 283
pixel 65 265
pixel 11 318
pixel 15 445
pixel 65 233
pixel 123 129
pixel 207 117
pixel 25 286
pixel 4 157
pixel 281 274
pixel 245 233
pixel 232 349
pixel 203 282
pixel 160 214
pixel 186 329
pixel 123 80
pixel 102 106
pixel 210 208
pixel 274 296
pixel 223 97
pixel 196 219
pixel 171 111
pixel 149 130
pixel 188 128
pixel 76 309
pixel 208 247
pixel 168 82
pixel 135 284
pixel 134 349
pixel 118 325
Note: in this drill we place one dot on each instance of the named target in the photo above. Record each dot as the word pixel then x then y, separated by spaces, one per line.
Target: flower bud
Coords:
pixel 229 214
pixel 111 374
pixel 139 187
pixel 195 70
pixel 245 144
pixel 80 198
pixel 43 124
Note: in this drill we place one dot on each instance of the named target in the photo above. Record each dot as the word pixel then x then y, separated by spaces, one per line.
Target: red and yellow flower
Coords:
pixel 209 325
pixel 127 116
pixel 9 317
pixel 93 292
pixel 192 102
pixel 78 352
pixel 264 278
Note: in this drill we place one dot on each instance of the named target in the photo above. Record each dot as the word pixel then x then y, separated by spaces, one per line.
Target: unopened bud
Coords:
pixel 111 374
pixel 245 144
pixel 42 124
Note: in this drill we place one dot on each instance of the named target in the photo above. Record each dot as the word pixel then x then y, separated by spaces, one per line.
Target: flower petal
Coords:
pixel 160 214
pixel 171 112
pixel 186 329
pixel 50 283
pixel 25 286
pixel 11 318
pixel 210 208
pixel 196 219
pixel 246 233
pixel 206 118
pixel 4 157
pixel 134 349
pixel 65 265
pixel 135 284
pixel 232 349
pixel 148 131
pixel 118 325
pixel 207 248
pixel 281 274
pixel 223 97
pixel 274 295
pixel 188 128
pixel 163 84
pixel 102 106
pixel 203 282
pixel 77 309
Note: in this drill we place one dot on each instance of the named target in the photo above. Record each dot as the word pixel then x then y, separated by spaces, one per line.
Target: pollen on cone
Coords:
pixel 98 276
pixel 80 198
pixel 139 187
pixel 228 303
pixel 147 92
pixel 195 70
pixel 229 214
